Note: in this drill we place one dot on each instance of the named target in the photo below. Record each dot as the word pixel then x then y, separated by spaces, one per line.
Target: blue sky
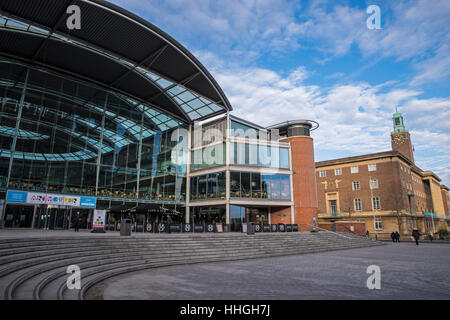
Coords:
pixel 278 60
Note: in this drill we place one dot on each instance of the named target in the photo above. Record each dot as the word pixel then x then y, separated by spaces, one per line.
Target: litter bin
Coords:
pixel 125 227
pixel 250 228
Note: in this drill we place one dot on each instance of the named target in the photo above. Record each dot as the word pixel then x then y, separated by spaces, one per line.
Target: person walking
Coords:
pixel 169 222
pixel 397 236
pixel 416 235
pixel 393 236
pixel 367 234
pixel 77 221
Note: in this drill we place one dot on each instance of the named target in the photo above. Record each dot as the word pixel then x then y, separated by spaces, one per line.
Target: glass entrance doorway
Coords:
pixel 240 215
pixel 18 216
pixel 58 218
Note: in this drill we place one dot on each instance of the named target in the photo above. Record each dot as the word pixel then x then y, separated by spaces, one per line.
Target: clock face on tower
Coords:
pixel 399 139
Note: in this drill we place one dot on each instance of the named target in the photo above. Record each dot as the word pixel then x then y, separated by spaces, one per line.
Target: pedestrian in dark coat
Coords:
pixel 416 235
pixel 77 221
pixel 397 236
pixel 169 222
pixel 393 236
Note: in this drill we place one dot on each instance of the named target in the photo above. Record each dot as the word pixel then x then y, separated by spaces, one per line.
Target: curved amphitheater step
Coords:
pixel 35 267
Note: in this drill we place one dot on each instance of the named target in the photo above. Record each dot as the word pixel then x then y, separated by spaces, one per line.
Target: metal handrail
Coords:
pixel 315 227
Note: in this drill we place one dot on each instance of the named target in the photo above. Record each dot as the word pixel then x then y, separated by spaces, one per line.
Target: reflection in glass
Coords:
pixel 259 155
pixel 77 138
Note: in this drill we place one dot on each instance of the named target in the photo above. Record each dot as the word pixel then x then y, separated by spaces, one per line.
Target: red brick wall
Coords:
pixel 304 179
pixel 280 216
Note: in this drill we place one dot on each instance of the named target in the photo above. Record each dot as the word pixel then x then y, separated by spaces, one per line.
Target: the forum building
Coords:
pixel 116 114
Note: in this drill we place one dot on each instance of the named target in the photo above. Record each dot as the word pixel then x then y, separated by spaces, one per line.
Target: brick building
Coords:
pixel 386 190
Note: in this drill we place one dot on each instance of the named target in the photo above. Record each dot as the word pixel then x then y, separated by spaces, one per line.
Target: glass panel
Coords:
pixel 235 184
pixel 193 188
pixel 237 214
pixel 202 187
pixel 256 185
pixel 265 186
pixel 245 185
pixel 284 158
pixel 285 187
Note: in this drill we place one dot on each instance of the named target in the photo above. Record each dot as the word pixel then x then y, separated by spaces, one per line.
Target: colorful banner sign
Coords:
pixel 50 199
pixel 99 220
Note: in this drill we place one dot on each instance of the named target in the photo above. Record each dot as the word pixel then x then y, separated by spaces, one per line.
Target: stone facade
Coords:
pixel 386 190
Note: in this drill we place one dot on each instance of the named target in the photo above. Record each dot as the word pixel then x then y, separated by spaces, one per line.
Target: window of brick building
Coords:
pixel 378 224
pixel 358 205
pixel 372 167
pixel 373 183
pixel 333 207
pixel 322 173
pixel 354 169
pixel 356 185
pixel 376 203
pixel 338 172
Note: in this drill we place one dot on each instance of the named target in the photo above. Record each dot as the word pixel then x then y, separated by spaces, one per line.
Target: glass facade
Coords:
pixel 260 186
pixel 246 154
pixel 214 214
pixel 240 215
pixel 208 186
pixel 208 157
pixel 241 130
pixel 67 136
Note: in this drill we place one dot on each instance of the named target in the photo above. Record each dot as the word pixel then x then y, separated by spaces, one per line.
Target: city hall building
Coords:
pixel 117 114
pixel 385 190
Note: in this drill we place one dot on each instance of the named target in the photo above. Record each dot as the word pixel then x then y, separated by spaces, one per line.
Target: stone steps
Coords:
pixel 36 268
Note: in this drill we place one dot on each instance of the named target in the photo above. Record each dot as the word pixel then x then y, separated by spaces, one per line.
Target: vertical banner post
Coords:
pixel 98 223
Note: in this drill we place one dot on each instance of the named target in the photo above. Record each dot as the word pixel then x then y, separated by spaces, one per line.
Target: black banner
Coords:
pixel 198 228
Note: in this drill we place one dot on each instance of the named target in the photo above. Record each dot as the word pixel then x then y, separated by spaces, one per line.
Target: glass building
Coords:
pixel 93 117
pixel 239 172
pixel 116 112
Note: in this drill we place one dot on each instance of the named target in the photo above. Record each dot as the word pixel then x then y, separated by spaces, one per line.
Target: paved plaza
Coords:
pixel 407 272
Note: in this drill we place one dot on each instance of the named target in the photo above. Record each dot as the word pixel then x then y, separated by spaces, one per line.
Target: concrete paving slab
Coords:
pixel 407 272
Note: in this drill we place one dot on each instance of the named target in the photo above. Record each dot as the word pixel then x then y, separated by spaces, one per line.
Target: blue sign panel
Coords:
pixel 430 214
pixel 16 196
pixel 89 202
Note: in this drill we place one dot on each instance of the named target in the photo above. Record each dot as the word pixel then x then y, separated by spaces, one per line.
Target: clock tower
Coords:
pixel 400 138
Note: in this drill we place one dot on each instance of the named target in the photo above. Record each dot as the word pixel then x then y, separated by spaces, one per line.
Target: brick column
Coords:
pixel 304 179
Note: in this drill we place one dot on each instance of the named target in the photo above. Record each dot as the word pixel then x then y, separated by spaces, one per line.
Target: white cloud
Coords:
pixel 354 118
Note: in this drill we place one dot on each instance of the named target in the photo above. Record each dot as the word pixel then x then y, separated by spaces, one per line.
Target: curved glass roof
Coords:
pixel 22 134
pixel 179 79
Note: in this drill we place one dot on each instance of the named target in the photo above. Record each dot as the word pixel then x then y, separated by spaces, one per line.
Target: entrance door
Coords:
pixel 18 216
pixel 333 207
pixel 140 222
pixel 58 218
